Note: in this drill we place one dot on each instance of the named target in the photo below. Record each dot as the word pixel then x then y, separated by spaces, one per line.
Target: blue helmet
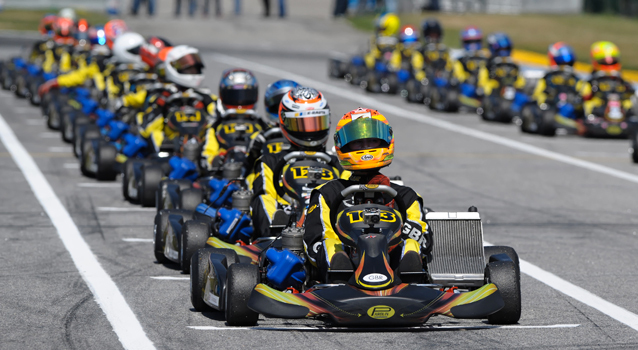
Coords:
pixel 499 44
pixel 471 38
pixel 561 54
pixel 274 93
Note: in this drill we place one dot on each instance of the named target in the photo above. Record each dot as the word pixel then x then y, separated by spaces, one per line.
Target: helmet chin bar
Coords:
pixel 306 144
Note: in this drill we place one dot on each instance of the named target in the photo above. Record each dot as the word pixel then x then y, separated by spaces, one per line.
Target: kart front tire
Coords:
pixel 634 146
pixel 151 177
pixel 507 277
pixel 127 175
pixel 190 198
pixel 241 279
pixel 547 127
pixel 105 159
pixel 195 233
pixel 199 264
pixel 160 225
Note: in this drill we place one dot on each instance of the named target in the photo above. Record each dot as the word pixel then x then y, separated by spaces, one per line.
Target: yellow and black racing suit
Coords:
pixel 381 49
pixel 466 68
pixel 409 59
pixel 600 85
pixel 321 240
pixel 499 71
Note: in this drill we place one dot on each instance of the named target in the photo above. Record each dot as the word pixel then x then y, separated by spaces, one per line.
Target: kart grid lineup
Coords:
pixel 175 205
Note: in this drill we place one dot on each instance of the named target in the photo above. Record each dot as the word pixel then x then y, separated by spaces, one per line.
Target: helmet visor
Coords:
pixel 307 121
pixel 608 61
pixel 188 64
pixel 363 128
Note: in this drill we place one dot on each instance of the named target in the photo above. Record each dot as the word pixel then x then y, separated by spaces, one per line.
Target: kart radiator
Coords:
pixel 458 258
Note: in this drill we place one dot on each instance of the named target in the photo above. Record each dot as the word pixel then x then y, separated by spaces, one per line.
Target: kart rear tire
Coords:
pixel 194 235
pixel 547 127
pixel 151 177
pixel 83 131
pixel 634 146
pixel 127 175
pixel 53 119
pixel 199 265
pixel 160 224
pixel 230 256
pixel 507 277
pixel 66 128
pixel 241 279
pixel 105 159
pixel 190 198
pixel 87 146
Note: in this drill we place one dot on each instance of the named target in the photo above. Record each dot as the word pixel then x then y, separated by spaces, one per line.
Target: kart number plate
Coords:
pixel 614 130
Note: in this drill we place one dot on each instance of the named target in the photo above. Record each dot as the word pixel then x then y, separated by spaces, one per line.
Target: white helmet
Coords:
pixel 68 13
pixel 184 66
pixel 126 48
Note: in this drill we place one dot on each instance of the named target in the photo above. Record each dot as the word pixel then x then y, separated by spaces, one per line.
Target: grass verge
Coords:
pixel 18 19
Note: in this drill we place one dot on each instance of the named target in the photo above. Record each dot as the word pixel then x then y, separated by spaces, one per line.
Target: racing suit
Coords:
pixel 322 242
pixel 491 76
pixel 466 68
pixel 600 85
pixel 409 60
pixel 381 48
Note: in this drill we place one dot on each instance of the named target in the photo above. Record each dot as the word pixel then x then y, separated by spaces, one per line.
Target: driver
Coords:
pixel 307 132
pixel 364 142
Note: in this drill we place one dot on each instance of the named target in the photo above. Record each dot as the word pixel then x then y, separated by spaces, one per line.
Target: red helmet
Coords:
pixel 46 24
pixel 63 30
pixel 112 29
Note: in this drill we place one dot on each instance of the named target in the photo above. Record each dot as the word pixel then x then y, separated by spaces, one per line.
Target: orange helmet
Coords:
pixel 364 140
pixel 112 29
pixel 63 30
pixel 46 24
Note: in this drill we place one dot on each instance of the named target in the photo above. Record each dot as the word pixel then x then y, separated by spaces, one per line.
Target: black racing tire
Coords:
pixel 634 146
pixel 230 255
pixel 106 154
pixel 151 177
pixel 547 126
pixel 199 265
pixel 190 198
pixel 66 128
pixel 194 235
pixel 160 224
pixel 53 119
pixel 507 277
pixel 83 129
pixel 127 175
pixel 527 119
pixel 88 145
pixel 452 101
pixel 241 279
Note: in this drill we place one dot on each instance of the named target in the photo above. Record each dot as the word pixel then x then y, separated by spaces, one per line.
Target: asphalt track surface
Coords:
pixel 578 224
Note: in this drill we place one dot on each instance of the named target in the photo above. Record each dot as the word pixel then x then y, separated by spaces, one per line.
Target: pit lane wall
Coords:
pixel 529 58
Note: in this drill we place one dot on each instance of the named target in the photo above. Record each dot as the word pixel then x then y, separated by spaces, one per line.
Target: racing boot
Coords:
pixel 411 267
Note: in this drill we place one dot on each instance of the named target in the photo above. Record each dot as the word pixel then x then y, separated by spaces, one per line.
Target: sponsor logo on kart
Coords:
pixel 367 157
pixel 381 312
pixel 374 277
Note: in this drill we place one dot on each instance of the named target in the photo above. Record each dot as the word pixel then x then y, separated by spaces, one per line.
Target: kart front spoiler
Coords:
pixel 403 305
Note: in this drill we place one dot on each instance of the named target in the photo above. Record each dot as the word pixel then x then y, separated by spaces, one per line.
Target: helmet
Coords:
pixel 150 50
pixel 388 24
pixel 158 42
pixel 239 88
pixel 68 13
pixel 46 24
pixel 304 117
pixel 184 66
pixel 431 30
pixel 356 126
pixel 112 29
pixel 126 48
pixel 273 95
pixel 63 30
pixel 561 54
pixel 408 35
pixel 499 44
pixel 471 38
pixel 605 56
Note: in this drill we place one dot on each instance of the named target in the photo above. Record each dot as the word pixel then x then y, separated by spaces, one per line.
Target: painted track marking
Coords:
pixel 171 278
pixel 124 209
pixel 105 291
pixel 100 184
pixel 135 240
pixel 622 315
pixel 376 329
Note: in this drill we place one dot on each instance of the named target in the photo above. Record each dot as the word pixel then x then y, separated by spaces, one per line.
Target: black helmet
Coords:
pixel 238 87
pixel 431 30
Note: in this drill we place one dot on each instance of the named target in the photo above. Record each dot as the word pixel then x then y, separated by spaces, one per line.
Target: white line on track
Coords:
pixel 144 240
pixel 425 119
pixel 367 329
pixel 105 291
pixel 578 293
pixel 122 209
pixel 171 278
pixel 100 184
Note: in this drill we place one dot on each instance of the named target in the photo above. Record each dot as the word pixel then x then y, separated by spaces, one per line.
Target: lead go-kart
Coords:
pixel 463 279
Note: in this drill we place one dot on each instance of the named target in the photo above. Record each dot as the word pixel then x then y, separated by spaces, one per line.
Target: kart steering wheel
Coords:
pixel 281 192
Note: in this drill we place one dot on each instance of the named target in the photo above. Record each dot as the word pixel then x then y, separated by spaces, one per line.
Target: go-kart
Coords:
pixel 442 92
pixel 463 279
pixel 608 121
pixel 560 110
pixel 506 101
pixel 633 136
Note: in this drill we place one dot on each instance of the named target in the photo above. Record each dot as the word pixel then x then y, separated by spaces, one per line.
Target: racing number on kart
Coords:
pixel 232 128
pixel 301 172
pixel 275 147
pixel 183 117
pixel 385 216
